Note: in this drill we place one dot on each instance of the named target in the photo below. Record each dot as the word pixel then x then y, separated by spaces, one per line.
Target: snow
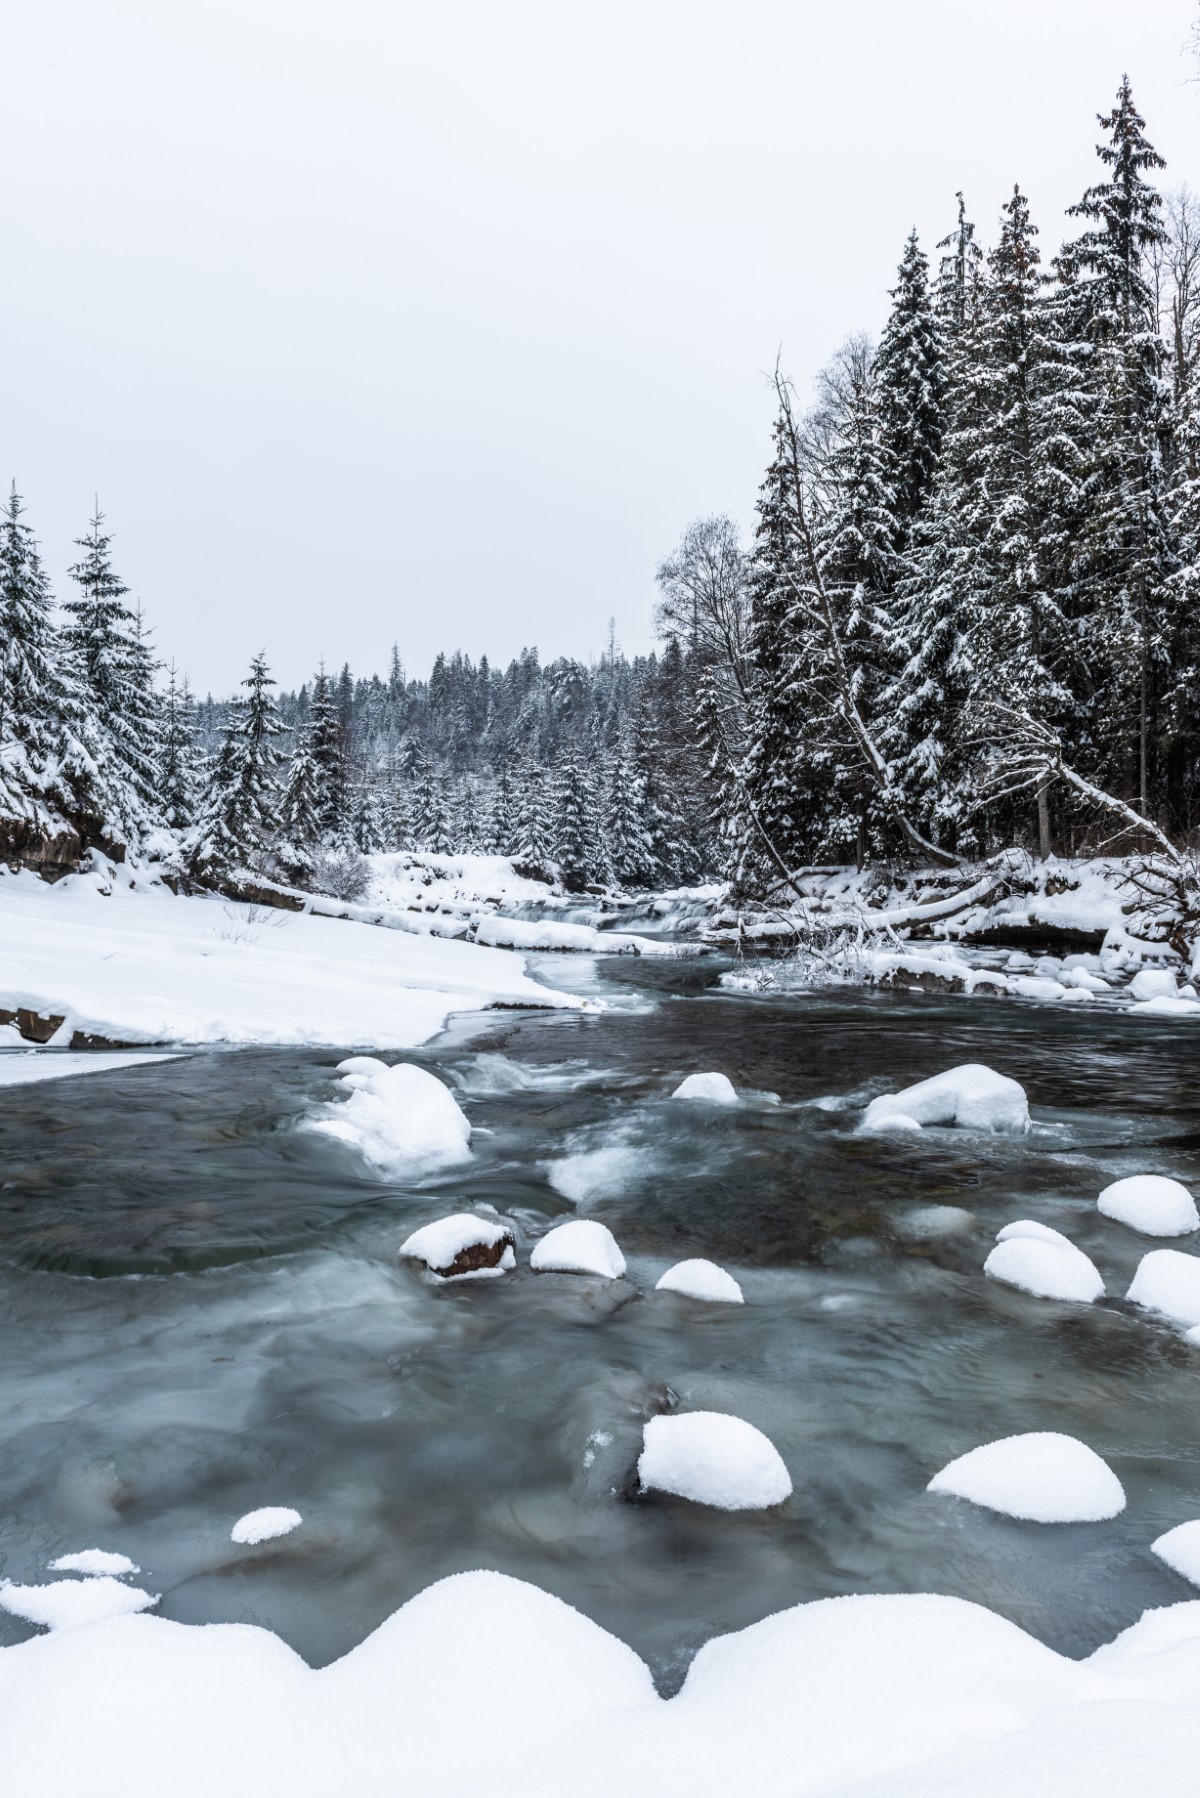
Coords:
pixel 579 1247
pixel 94 1560
pixel 403 1120
pixel 1029 1229
pixel 971 1096
pixel 701 1280
pixel 265 1524
pixel 715 1089
pixel 1044 1264
pixel 1154 983
pixel 1166 1008
pixel 1152 1204
pixel 1042 1477
pixel 1168 1281
pixel 440 1244
pixel 594 1173
pixel 1180 1549
pixel 144 966
pixel 23 1069
pixel 361 1064
pixel 484 1684
pixel 71 1603
pixel 712 1459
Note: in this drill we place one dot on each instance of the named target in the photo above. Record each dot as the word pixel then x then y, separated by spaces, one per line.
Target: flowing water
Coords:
pixel 202 1312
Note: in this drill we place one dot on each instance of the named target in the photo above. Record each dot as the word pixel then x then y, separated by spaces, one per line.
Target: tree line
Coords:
pixel 968 618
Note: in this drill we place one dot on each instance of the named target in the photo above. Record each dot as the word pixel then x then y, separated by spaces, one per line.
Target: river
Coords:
pixel 202 1312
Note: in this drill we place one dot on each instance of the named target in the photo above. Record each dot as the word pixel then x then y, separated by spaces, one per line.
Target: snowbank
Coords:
pixel 712 1459
pixel 701 1280
pixel 714 1089
pixel 483 1684
pixel 1169 1282
pixel 403 1120
pixel 579 1247
pixel 71 1603
pixel 23 1068
pixel 1044 1264
pixel 972 1096
pixel 265 1524
pixel 1154 983
pixel 1152 1204
pixel 1180 1549
pixel 143 966
pixel 461 1246
pixel 1041 1477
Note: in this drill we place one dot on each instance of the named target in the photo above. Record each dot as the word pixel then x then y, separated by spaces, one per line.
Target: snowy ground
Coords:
pixel 138 965
pixel 484 1684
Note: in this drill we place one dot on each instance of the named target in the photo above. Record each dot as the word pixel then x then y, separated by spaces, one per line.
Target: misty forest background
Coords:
pixel 969 617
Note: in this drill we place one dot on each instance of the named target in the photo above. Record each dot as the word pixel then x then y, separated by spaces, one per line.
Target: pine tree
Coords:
pixel 237 819
pixel 626 837
pixel 300 824
pixel 535 822
pixel 576 844
pixel 114 666
pixel 327 745
pixel 179 773
pixel 1125 562
pixel 504 819
pixel 910 379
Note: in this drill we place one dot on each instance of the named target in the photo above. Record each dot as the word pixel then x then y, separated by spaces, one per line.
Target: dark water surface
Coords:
pixel 202 1312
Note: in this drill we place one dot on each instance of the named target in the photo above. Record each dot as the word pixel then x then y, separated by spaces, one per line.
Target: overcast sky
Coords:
pixel 436 323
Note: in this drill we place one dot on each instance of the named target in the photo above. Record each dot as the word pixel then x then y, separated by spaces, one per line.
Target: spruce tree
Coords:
pixel 238 817
pixel 179 771
pixel 910 378
pixel 576 843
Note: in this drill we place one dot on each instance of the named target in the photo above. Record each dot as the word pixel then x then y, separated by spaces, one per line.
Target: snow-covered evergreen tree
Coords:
pixel 911 387
pixel 577 846
pixel 179 769
pixel 238 818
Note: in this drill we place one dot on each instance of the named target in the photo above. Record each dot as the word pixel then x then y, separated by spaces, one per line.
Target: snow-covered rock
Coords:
pixel 972 1096
pixel 70 1603
pixel 403 1120
pixel 712 1459
pixel 701 1280
pixel 1154 983
pixel 461 1245
pixel 1152 1204
pixel 579 1247
pixel 265 1524
pixel 1042 1477
pixel 714 1089
pixel 1031 986
pixel 1044 1263
pixel 94 1561
pixel 1166 1007
pixel 361 1064
pixel 1168 1281
pixel 1180 1549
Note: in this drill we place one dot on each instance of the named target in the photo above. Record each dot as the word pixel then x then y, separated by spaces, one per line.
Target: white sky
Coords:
pixel 437 322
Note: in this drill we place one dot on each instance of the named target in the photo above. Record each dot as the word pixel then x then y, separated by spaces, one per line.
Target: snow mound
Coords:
pixel 1154 983
pixel 713 1459
pixel 1028 1228
pixel 361 1064
pixel 70 1603
pixel 264 1525
pixel 403 1120
pixel 1152 1204
pixel 461 1245
pixel 1041 1477
pixel 701 1280
pixel 1166 1008
pixel 94 1560
pixel 579 1247
pixel 714 1089
pixel 1180 1549
pixel 1168 1281
pixel 1047 1266
pixel 972 1096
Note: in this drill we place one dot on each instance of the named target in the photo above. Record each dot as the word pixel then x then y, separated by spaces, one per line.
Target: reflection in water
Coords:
pixel 201 1312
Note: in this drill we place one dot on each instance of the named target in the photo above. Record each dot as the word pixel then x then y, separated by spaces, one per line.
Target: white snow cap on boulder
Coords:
pixel 70 1603
pixel 1169 1282
pixel 1041 1477
pixel 94 1561
pixel 701 1280
pixel 580 1247
pixel 361 1064
pixel 460 1245
pixel 402 1119
pixel 1152 1204
pixel 1180 1549
pixel 1044 1263
pixel 265 1524
pixel 714 1089
pixel 712 1459
pixel 972 1096
pixel 1154 983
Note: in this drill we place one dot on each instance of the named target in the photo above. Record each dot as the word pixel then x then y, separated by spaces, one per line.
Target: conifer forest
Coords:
pixel 968 617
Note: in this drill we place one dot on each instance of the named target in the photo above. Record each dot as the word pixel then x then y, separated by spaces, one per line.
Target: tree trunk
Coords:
pixel 1043 819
